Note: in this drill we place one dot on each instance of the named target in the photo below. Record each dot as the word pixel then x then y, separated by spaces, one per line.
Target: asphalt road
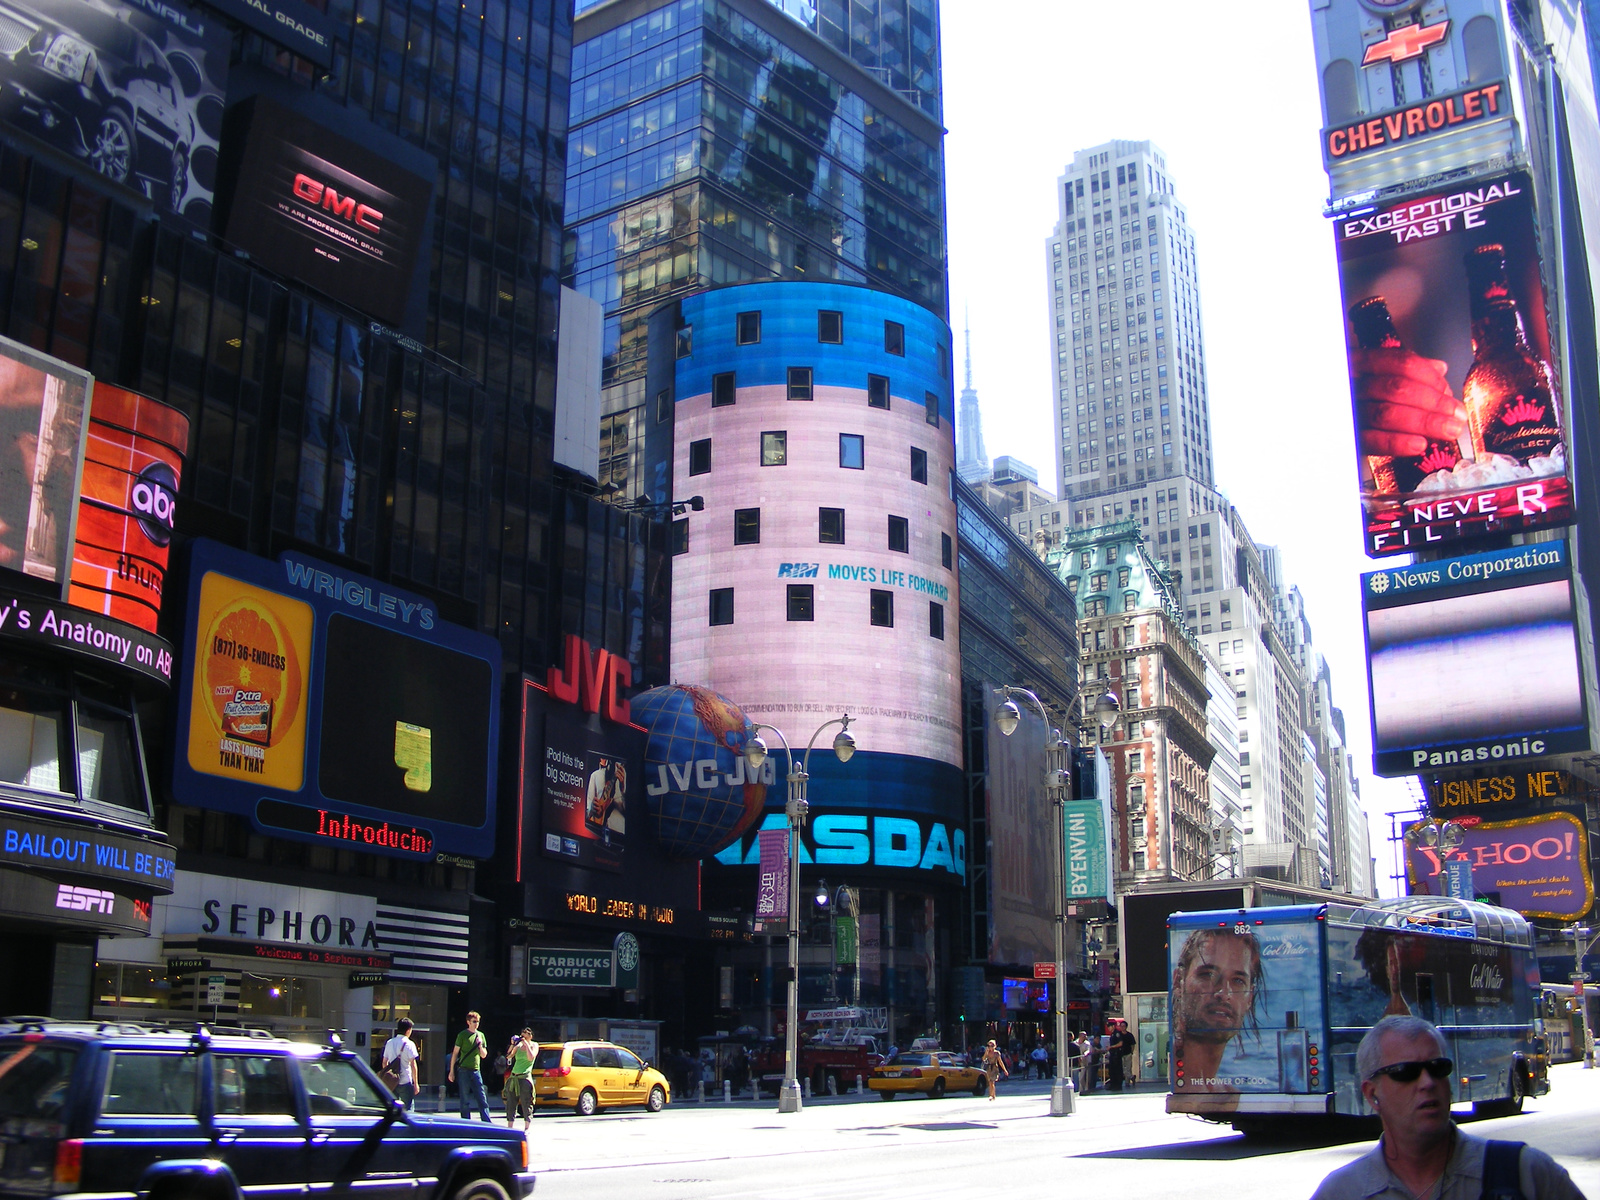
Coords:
pixel 1115 1146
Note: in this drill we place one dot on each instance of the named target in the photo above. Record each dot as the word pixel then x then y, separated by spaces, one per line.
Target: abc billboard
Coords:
pixel 1460 425
pixel 131 472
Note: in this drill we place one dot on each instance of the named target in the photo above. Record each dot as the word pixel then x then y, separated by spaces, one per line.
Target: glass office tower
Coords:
pixel 722 141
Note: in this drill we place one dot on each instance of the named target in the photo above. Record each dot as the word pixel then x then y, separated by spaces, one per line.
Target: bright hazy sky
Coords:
pixel 1229 93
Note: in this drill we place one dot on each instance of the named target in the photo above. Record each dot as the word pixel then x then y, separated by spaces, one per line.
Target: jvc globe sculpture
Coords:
pixel 698 787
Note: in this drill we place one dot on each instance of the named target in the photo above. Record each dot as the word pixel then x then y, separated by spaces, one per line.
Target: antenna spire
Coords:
pixel 966 319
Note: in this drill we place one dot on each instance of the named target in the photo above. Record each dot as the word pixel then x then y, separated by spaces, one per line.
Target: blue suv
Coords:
pixel 134 1112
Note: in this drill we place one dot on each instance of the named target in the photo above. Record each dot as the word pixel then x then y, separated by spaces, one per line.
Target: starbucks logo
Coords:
pixel 627 952
pixel 1379 583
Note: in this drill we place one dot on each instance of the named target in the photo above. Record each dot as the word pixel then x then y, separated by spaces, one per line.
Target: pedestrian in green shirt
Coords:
pixel 519 1084
pixel 467 1059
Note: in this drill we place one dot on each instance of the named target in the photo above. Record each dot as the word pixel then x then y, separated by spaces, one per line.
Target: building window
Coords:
pixel 722 390
pixel 919 465
pixel 700 457
pixel 722 606
pixel 830 526
pixel 686 341
pixel 1135 760
pixel 749 328
pixel 900 534
pixel 799 383
pixel 946 550
pixel 882 608
pixel 746 526
pixel 775 448
pixel 801 602
pixel 894 338
pixel 930 408
pixel 680 536
pixel 877 391
pixel 852 451
pixel 663 406
pixel 830 327
pixel 936 620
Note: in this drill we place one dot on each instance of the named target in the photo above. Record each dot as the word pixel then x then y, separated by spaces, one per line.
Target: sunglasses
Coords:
pixel 1407 1072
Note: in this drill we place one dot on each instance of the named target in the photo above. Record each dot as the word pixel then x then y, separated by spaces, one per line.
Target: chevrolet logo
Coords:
pixel 1406 42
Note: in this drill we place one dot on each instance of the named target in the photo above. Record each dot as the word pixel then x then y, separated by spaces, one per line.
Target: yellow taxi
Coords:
pixel 589 1076
pixel 932 1072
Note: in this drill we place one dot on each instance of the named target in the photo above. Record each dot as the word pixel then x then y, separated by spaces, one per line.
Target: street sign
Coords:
pixel 1458 878
pixel 215 987
pixel 1044 970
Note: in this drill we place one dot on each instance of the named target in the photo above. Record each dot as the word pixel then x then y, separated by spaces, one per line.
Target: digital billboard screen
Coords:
pixel 339 215
pixel 127 503
pixel 42 430
pixel 1536 865
pixel 1473 661
pixel 294 657
pixel 592 784
pixel 1021 863
pixel 1459 416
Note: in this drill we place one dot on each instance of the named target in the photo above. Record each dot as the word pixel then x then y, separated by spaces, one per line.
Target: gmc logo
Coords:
pixel 318 195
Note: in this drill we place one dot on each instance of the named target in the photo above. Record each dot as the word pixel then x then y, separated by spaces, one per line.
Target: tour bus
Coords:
pixel 1268 1004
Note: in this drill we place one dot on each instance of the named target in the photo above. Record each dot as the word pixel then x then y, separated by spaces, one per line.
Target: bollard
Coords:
pixel 441 1097
pixel 727 1091
pixel 755 1090
pixel 859 1089
pixel 807 1085
pixel 701 1098
pixel 833 1084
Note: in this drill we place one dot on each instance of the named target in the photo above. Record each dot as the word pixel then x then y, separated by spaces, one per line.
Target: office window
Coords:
pixel 946 550
pixel 799 383
pixel 775 448
pixel 930 408
pixel 749 328
pixel 801 602
pixel 663 406
pixel 680 536
pixel 746 526
pixel 686 341
pixel 722 390
pixel 878 391
pixel 894 338
pixel 830 327
pixel 830 526
pixel 722 606
pixel 700 457
pixel 919 465
pixel 936 620
pixel 900 534
pixel 882 608
pixel 852 451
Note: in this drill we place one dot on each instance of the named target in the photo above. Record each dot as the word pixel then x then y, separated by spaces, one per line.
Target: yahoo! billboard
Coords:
pixel 1537 865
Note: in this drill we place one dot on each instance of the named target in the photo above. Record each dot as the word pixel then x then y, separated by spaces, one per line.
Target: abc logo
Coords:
pixel 155 497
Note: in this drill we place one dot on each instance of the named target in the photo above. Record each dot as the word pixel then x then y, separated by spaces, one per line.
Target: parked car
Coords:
pixel 933 1073
pixel 589 1076
pixel 85 80
pixel 127 1111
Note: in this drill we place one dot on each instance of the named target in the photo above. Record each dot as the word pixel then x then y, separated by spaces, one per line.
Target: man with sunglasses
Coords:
pixel 1405 1071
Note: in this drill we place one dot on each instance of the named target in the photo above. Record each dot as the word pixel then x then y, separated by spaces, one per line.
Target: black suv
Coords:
pixel 144 1113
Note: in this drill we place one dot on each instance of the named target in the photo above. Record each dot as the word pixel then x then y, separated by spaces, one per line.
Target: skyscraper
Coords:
pixel 725 141
pixel 972 460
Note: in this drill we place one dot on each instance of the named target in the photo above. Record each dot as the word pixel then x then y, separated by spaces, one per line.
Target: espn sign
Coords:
pixel 322 195
pixel 82 899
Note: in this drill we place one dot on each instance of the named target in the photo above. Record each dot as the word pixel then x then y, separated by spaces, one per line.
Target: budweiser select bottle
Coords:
pixel 1375 331
pixel 1510 407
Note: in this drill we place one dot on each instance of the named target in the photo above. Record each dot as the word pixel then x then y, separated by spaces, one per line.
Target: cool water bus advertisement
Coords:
pixel 1268 1005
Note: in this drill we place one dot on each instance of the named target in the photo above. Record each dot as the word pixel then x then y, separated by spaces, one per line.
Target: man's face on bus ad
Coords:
pixel 1215 993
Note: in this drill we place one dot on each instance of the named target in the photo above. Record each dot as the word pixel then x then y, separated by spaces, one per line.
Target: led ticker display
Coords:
pixel 1473 661
pixel 294 656
pixel 1460 428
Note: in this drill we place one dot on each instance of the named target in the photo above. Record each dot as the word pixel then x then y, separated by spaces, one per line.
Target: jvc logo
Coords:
pixel 155 497
pixel 798 570
pixel 320 195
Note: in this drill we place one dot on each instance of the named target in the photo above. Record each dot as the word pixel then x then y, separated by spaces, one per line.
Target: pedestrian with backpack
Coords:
pixel 400 1063
pixel 1405 1071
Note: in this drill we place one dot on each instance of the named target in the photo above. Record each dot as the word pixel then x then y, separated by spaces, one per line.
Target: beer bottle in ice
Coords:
pixel 1374 329
pixel 1510 404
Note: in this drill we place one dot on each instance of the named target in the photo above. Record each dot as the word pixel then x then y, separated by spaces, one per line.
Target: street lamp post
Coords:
pixel 796 808
pixel 1057 778
pixel 1580 1014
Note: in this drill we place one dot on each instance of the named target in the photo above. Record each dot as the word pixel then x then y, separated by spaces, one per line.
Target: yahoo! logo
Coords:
pixel 320 195
pixel 155 499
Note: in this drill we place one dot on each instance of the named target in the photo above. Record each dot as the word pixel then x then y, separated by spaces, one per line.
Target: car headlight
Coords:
pixel 70 58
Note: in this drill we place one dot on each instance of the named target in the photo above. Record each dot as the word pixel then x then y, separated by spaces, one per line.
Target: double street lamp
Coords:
pixel 755 754
pixel 1057 778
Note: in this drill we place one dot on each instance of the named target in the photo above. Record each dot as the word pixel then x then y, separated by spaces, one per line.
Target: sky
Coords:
pixel 1229 94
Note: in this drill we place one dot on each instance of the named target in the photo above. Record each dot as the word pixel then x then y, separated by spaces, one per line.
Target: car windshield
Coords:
pixel 909 1060
pixel 336 1088
pixel 34 1079
pixel 548 1056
